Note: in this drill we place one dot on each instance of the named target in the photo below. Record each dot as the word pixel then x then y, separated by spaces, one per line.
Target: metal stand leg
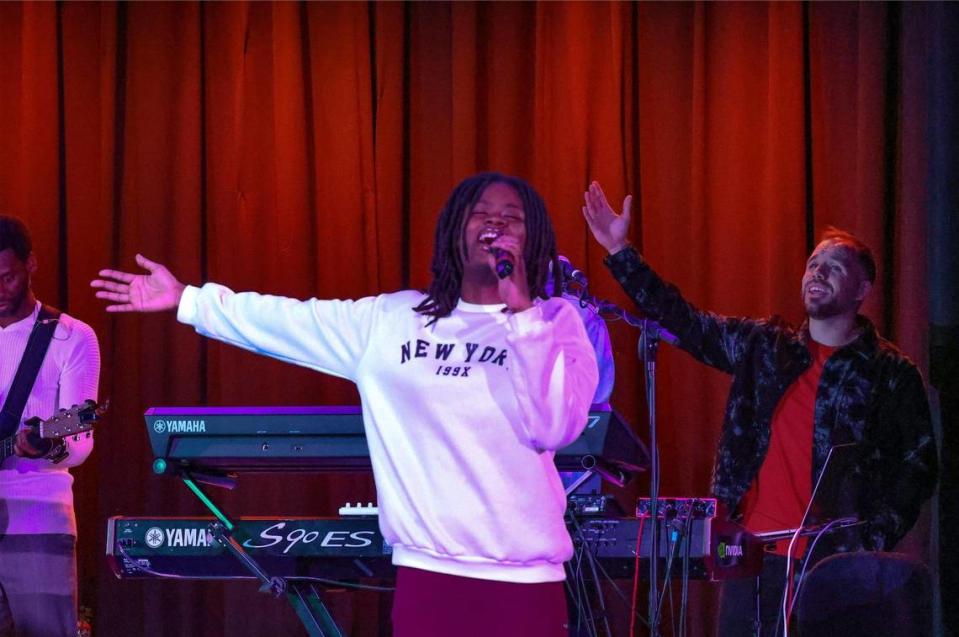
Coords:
pixel 303 598
pixel 312 611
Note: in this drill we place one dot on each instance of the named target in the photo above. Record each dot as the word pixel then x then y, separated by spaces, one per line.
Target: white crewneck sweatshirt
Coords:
pixel 462 417
pixel 37 495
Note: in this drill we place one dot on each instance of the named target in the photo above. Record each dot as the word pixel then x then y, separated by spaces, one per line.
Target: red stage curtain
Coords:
pixel 305 149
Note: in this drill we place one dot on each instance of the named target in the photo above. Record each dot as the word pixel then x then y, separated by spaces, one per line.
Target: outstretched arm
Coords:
pixel 329 336
pixel 154 292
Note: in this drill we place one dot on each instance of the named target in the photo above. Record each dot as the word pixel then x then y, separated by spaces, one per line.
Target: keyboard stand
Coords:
pixel 303 598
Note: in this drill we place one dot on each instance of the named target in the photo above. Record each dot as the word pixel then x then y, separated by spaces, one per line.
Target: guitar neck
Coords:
pixel 66 422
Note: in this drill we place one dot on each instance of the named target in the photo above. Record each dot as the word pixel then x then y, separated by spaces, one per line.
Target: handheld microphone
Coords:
pixel 504 262
pixel 504 266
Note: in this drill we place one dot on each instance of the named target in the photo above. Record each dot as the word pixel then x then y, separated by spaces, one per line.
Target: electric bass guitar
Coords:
pixel 66 422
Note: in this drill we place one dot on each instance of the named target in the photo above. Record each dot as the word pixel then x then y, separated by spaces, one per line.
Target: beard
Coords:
pixel 836 305
pixel 820 311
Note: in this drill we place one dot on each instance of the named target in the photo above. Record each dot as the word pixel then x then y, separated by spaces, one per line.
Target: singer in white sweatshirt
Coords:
pixel 467 391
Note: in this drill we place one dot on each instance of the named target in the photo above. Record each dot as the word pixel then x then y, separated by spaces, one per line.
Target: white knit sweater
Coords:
pixel 37 494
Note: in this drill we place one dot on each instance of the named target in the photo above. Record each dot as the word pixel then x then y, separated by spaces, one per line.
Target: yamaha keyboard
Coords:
pixel 245 439
pixel 345 548
pixel 207 445
pixel 333 548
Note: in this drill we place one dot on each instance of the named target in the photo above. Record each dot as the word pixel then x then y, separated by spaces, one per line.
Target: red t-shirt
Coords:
pixel 778 497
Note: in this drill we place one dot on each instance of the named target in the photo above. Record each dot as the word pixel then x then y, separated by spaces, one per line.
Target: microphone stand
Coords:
pixel 650 335
pixel 648 347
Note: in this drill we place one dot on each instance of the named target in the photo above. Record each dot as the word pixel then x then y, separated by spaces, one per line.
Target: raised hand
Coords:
pixel 154 292
pixel 609 228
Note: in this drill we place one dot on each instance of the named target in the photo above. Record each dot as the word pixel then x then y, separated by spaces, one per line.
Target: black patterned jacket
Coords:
pixel 869 393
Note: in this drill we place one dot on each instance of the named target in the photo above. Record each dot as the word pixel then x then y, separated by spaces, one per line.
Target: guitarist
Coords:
pixel 38 585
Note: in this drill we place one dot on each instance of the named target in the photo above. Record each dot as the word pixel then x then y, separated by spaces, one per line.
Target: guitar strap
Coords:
pixel 26 375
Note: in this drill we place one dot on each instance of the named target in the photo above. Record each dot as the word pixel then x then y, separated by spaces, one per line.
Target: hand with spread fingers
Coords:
pixel 609 229
pixel 154 292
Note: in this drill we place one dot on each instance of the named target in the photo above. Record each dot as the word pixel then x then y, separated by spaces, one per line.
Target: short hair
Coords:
pixel 863 254
pixel 449 245
pixel 15 236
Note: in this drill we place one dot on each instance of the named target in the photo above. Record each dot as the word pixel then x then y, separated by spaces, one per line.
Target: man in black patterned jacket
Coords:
pixel 795 394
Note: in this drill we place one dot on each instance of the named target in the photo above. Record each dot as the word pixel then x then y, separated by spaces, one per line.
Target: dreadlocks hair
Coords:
pixel 15 236
pixel 449 244
pixel 863 254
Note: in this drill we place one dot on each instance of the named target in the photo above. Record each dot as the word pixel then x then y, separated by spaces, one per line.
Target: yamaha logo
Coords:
pixel 154 535
pixel 179 426
pixel 176 537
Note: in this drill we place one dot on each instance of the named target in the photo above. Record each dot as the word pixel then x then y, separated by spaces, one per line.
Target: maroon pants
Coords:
pixel 430 604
